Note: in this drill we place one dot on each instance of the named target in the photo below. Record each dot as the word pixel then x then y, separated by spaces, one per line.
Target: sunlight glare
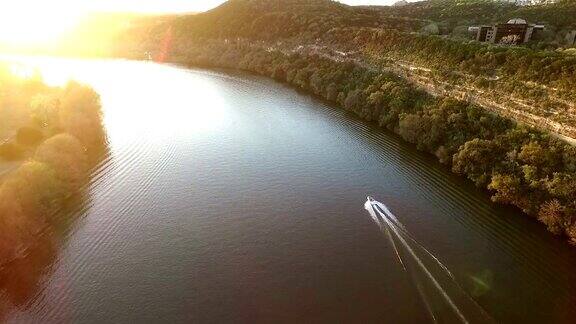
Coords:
pixel 29 22
pixel 175 101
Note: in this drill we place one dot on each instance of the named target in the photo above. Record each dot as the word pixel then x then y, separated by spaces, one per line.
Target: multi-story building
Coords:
pixel 514 32
pixel 529 2
pixel 482 33
pixel 571 38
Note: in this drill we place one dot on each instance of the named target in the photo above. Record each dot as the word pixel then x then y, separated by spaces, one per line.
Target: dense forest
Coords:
pixel 49 133
pixel 337 53
pixel 272 19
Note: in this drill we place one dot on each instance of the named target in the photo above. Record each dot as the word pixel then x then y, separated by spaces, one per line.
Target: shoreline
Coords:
pixel 490 191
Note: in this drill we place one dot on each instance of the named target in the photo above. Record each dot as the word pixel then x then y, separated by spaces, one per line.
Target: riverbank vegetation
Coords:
pixel 51 131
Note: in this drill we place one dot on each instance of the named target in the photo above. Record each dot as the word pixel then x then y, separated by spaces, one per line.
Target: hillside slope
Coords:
pixel 273 19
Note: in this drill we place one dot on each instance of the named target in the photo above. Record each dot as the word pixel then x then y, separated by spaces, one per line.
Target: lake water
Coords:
pixel 231 198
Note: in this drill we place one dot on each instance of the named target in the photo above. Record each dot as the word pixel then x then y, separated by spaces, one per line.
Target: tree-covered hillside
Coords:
pixel 391 33
pixel 272 19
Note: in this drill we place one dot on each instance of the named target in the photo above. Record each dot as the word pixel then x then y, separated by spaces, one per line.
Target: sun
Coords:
pixel 37 22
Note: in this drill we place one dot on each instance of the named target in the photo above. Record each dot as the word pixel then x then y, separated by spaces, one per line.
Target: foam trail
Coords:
pixel 380 208
pixel 386 230
pixel 401 239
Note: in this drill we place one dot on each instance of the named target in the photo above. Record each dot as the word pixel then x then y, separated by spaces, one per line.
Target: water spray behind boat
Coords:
pixel 444 299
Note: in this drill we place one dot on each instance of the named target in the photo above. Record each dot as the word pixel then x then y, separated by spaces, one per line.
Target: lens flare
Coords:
pixel 29 22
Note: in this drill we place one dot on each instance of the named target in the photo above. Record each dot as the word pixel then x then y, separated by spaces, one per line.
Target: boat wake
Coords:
pixel 445 300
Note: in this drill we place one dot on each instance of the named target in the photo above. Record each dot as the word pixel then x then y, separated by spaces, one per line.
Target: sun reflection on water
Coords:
pixel 137 96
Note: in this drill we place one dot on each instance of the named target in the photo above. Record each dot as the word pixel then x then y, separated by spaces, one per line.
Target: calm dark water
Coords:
pixel 230 198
